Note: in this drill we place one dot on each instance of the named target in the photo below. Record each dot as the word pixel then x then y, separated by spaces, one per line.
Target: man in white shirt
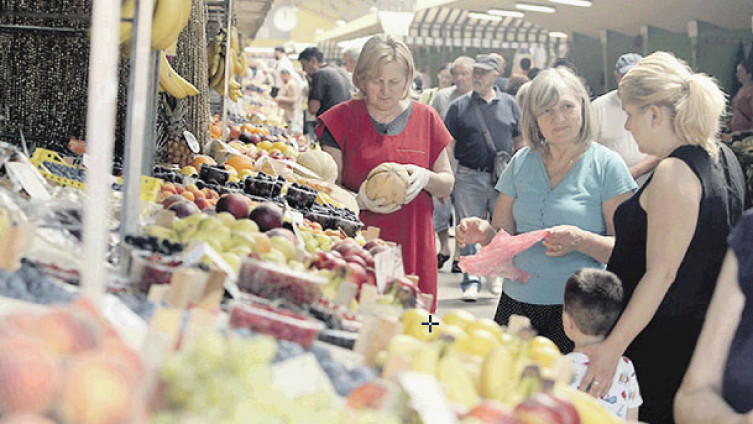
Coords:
pixel 612 133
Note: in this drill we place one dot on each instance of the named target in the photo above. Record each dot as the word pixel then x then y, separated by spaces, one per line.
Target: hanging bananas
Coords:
pixel 218 63
pixel 168 21
pixel 171 82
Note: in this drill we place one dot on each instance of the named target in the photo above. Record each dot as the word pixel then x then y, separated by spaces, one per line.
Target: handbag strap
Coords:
pixel 487 134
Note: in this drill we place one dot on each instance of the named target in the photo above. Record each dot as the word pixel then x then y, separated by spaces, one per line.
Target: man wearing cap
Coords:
pixel 474 190
pixel 611 124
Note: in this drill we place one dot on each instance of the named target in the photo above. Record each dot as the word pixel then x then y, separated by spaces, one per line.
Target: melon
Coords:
pixel 389 181
pixel 320 163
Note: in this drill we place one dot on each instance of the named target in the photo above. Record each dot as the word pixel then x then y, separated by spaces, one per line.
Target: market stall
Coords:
pixel 229 279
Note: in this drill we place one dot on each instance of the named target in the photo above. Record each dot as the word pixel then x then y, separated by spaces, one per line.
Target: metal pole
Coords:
pixel 229 25
pixel 150 132
pixel 139 97
pixel 102 102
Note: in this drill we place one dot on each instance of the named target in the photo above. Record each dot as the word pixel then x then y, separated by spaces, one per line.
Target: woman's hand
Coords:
pixel 563 239
pixel 603 360
pixel 474 230
pixel 418 178
pixel 379 205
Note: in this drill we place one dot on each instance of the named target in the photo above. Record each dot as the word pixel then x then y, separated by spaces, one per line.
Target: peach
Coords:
pixel 67 332
pixel 188 195
pixel 28 374
pixel 170 187
pixel 179 189
pixel 198 194
pixel 262 242
pixel 25 418
pixel 116 349
pixel 98 390
pixel 202 203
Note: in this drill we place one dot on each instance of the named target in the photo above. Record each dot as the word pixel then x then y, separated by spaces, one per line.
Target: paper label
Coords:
pixel 195 255
pixel 300 376
pixel 24 174
pixel 346 292
pixel 427 398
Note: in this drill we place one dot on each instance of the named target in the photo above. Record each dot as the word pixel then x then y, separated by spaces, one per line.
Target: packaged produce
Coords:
pixel 279 323
pixel 279 282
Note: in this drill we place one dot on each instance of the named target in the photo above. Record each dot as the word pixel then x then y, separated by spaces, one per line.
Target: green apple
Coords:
pixel 240 239
pixel 241 251
pixel 312 246
pixel 232 259
pixel 283 245
pixel 210 223
pixel 226 218
pixel 246 225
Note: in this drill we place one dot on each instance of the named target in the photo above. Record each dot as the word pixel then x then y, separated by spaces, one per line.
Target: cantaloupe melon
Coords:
pixel 389 180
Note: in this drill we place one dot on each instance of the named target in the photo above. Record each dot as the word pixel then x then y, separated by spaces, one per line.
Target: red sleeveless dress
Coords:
pixel 363 148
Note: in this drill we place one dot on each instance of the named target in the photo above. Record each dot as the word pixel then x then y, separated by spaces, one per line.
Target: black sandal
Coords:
pixel 441 259
pixel 456 267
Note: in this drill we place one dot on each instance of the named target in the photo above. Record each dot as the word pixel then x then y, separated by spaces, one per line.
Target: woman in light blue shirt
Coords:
pixel 562 182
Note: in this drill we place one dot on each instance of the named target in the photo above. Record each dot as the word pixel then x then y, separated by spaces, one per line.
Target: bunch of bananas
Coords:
pixel 168 21
pixel 218 62
pixel 475 359
pixel 174 84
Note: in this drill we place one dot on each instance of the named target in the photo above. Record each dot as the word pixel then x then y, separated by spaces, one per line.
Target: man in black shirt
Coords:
pixel 328 85
pixel 475 193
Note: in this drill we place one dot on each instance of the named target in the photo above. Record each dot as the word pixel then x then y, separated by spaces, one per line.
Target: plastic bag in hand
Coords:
pixel 495 259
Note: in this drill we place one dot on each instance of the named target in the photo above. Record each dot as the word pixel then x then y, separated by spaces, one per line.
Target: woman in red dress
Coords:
pixel 385 125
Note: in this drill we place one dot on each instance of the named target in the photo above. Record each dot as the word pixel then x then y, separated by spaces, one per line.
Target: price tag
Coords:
pixel 427 398
pixel 25 175
pixel 296 220
pixel 195 255
pixel 300 376
pixel 346 292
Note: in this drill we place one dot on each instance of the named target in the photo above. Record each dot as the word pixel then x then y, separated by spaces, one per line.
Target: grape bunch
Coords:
pixel 153 244
pixel 31 285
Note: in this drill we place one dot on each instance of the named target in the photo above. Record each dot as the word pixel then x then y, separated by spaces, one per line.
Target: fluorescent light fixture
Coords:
pixel 557 34
pixel 506 13
pixel 579 3
pixel 534 8
pixel 477 15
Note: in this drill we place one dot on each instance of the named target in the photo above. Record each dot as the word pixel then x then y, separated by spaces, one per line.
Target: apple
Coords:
pixel 284 245
pixel 67 332
pixel 283 232
pixel 267 215
pixel 347 247
pixel 356 274
pixel 172 199
pixel 234 203
pixel 25 418
pixel 356 260
pixel 378 249
pixel 184 208
pixel 541 407
pixel 491 412
pixel 202 203
pixel 374 243
pixel 371 276
pixel 255 139
pixel 367 257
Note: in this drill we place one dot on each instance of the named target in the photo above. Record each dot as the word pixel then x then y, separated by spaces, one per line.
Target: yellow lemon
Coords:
pixel 459 318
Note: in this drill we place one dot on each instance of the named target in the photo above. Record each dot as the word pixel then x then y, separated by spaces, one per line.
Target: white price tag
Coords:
pixel 25 174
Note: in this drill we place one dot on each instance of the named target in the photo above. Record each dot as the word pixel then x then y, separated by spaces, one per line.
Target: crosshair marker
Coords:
pixel 429 323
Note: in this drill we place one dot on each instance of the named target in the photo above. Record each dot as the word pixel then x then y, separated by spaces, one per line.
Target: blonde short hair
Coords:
pixel 545 91
pixel 695 100
pixel 377 52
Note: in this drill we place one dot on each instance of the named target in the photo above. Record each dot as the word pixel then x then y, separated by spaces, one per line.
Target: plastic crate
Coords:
pixel 281 324
pixel 149 186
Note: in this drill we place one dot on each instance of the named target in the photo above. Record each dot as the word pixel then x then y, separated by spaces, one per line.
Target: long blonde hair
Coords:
pixel 377 52
pixel 695 99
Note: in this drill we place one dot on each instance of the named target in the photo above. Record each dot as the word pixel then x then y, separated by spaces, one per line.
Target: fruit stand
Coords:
pixel 232 280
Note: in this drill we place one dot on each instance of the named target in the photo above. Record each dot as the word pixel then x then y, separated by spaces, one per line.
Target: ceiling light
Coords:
pixel 535 8
pixel 507 13
pixel 580 3
pixel 557 34
pixel 485 16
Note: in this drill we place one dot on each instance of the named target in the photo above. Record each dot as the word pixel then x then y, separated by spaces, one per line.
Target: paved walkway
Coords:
pixel 450 293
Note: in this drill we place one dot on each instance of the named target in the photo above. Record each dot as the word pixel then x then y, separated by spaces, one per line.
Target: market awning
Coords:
pixel 250 15
pixel 438 27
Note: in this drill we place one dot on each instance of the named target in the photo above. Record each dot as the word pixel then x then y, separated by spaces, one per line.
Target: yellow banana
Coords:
pixel 234 42
pixel 168 22
pixel 456 382
pixel 218 76
pixel 214 61
pixel 244 64
pixel 425 359
pixel 497 377
pixel 589 409
pixel 168 78
pixel 126 28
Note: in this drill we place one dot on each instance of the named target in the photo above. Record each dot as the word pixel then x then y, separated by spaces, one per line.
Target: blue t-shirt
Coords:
pixel 599 175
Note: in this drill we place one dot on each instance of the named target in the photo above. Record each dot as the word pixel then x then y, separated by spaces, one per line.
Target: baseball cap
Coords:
pixel 626 62
pixel 487 62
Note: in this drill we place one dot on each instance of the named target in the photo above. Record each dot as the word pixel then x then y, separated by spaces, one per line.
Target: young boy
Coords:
pixel 593 303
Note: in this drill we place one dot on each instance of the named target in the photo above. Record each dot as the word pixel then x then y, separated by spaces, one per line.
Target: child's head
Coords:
pixel 593 302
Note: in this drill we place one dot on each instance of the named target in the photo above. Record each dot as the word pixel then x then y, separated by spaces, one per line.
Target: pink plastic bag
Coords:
pixel 495 259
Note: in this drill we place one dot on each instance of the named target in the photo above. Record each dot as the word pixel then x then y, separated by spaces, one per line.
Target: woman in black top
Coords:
pixel 670 237
pixel 718 387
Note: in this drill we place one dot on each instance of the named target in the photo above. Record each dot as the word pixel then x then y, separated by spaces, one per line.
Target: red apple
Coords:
pixel 491 412
pixel 347 247
pixel 235 204
pixel 373 243
pixel 202 203
pixel 267 216
pixel 371 274
pixel 541 408
pixel 29 374
pixel 356 274
pixel 25 418
pixel 367 257
pixel 171 200
pixel 355 259
pixel 184 209
pixel 378 249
